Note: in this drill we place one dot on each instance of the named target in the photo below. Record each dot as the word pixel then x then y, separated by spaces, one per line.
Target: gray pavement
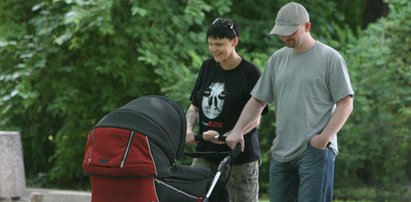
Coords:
pixel 50 195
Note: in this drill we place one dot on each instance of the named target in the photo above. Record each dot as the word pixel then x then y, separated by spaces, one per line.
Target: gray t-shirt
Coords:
pixel 304 88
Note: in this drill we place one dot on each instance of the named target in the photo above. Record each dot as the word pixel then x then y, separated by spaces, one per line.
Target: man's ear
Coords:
pixel 307 26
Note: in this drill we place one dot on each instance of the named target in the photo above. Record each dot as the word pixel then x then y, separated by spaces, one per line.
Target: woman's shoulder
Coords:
pixel 248 64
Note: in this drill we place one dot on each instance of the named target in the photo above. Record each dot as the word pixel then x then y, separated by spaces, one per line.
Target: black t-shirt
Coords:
pixel 220 95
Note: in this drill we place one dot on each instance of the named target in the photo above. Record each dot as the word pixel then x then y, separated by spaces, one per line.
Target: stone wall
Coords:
pixel 12 176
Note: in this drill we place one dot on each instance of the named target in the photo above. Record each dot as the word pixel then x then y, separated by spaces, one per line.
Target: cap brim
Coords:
pixel 283 30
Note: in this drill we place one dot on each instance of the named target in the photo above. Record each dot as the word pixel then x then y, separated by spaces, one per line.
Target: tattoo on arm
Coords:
pixel 191 117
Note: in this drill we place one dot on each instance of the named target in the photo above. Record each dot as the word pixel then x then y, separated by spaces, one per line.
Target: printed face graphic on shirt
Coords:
pixel 213 100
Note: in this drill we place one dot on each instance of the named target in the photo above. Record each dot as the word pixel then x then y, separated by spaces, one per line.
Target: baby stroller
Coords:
pixel 131 155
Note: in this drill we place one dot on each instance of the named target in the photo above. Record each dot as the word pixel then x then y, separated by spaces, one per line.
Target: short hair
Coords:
pixel 224 28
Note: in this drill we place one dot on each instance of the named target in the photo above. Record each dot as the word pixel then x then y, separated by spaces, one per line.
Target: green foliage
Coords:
pixel 377 135
pixel 76 63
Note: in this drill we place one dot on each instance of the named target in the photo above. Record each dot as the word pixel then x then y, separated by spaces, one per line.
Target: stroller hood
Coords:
pixel 159 118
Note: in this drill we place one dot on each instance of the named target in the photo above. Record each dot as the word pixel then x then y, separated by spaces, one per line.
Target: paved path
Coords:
pixel 51 195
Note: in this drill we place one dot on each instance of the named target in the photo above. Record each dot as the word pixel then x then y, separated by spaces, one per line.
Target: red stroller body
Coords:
pixel 131 155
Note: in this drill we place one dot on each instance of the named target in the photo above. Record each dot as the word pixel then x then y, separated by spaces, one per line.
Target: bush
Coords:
pixel 377 135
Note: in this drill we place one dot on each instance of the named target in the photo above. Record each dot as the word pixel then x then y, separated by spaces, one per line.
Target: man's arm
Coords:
pixel 211 135
pixel 249 118
pixel 337 121
pixel 191 117
pixel 253 124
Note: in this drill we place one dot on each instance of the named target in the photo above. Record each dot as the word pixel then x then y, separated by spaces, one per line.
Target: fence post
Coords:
pixel 12 176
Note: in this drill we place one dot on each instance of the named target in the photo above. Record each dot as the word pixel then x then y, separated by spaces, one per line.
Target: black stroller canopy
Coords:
pixel 157 117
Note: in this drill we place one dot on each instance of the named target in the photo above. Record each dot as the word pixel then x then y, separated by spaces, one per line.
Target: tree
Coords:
pixel 377 135
pixel 74 61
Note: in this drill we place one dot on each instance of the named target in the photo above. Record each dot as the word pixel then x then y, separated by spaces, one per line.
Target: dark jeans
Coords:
pixel 308 178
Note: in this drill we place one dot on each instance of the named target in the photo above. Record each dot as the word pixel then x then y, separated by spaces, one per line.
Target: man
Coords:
pixel 309 83
pixel 221 91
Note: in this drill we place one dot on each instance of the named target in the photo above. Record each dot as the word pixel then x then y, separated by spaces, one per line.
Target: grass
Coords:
pixel 267 200
pixel 365 194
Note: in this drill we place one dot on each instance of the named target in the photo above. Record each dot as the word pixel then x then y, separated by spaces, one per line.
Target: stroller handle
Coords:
pixel 219 137
pixel 227 160
pixel 223 164
pixel 221 167
pixel 222 138
pixel 236 151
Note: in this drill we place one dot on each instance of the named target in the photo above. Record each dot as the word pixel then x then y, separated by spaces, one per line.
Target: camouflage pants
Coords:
pixel 242 185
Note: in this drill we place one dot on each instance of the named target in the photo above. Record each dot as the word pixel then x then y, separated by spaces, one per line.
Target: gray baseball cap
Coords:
pixel 288 18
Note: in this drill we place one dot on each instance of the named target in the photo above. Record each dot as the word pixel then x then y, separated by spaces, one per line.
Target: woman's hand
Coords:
pixel 190 138
pixel 212 136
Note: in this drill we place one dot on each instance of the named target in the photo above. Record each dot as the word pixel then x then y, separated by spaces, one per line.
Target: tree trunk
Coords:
pixel 374 9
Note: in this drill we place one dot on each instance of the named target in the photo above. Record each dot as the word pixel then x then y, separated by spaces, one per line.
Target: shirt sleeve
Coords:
pixel 339 79
pixel 197 87
pixel 263 89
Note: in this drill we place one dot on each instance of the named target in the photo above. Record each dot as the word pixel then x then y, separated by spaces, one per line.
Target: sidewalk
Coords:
pixel 51 195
